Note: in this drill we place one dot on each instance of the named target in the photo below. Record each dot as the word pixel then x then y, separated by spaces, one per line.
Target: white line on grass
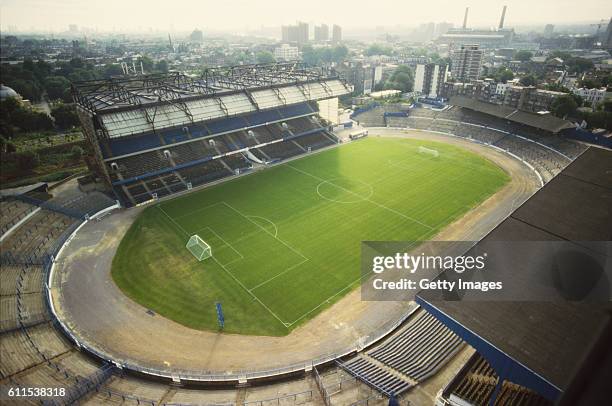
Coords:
pixel 325 301
pixel 382 206
pixel 277 275
pixel 172 220
pixel 224 242
pixel 269 221
pixel 197 210
pixel 250 293
pixel 265 231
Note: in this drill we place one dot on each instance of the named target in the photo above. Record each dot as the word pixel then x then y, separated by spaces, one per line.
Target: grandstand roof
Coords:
pixel 139 104
pixel 546 122
pixel 148 90
pixel 543 344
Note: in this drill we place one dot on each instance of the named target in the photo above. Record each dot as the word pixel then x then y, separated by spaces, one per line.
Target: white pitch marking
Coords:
pixel 172 220
pixel 277 275
pixel 265 231
pixel 367 200
pixel 250 293
pixel 269 221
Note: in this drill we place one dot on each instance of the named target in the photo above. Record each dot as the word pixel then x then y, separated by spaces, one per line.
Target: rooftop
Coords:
pixel 552 340
pixel 543 122
pixel 148 90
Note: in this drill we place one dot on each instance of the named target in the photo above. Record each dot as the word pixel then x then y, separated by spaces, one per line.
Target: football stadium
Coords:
pixel 221 262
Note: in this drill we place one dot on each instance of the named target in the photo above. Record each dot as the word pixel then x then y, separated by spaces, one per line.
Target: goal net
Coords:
pixel 199 248
pixel 428 151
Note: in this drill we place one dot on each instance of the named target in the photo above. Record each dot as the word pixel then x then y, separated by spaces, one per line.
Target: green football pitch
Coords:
pixel 286 240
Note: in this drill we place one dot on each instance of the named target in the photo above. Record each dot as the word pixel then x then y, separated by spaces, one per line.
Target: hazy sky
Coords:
pixel 240 14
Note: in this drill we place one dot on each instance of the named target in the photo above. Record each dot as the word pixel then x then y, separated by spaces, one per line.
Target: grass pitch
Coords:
pixel 286 240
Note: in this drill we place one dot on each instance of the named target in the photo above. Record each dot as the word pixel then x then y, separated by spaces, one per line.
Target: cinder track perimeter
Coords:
pixel 98 315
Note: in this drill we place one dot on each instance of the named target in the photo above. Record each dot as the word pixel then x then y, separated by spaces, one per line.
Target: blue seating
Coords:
pixel 128 145
pixel 263 117
pixel 226 124
pixel 172 137
pixel 296 110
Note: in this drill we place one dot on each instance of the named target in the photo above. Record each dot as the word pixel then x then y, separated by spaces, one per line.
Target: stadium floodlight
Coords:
pixel 199 248
pixel 428 151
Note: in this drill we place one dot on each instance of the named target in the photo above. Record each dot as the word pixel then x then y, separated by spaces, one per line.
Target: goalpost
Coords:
pixel 428 151
pixel 199 248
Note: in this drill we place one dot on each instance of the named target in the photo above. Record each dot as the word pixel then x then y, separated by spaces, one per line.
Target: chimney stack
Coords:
pixel 465 18
pixel 503 16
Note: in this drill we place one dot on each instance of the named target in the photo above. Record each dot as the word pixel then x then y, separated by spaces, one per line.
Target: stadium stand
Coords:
pixel 573 208
pixel 282 150
pixel 12 211
pixel 410 356
pixel 476 382
pixel 380 378
pixel 36 236
pixel 548 153
pixel 140 137
pixel 315 141
pixel 154 167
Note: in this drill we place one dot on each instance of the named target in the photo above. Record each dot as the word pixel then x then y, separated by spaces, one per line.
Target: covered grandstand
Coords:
pixel 155 135
pixel 530 137
pixel 545 347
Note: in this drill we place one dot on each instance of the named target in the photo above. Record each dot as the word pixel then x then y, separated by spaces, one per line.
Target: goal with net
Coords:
pixel 428 151
pixel 199 248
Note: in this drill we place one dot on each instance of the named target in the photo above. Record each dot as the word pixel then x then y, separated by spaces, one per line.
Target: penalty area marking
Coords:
pixel 286 325
pixel 264 230
pixel 267 221
pixel 173 221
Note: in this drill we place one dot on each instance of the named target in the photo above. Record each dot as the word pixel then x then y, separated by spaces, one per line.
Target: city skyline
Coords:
pixel 113 15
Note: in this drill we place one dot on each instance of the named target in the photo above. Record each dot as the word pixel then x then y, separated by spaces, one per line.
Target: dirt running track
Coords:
pixel 99 314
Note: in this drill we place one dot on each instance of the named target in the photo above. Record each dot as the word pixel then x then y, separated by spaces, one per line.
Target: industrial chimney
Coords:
pixel 465 18
pixel 501 21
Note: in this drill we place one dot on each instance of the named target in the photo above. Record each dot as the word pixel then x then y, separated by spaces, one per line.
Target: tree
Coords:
pixel 112 70
pixel 339 53
pixel 502 75
pixel 316 56
pixel 563 106
pixel 401 79
pixel 6 146
pixel 606 105
pixel 147 64
pixel 559 54
pixel 523 55
pixel 80 74
pixel 556 87
pixel 27 160
pixel 591 83
pixel 65 116
pixel 29 120
pixel 377 49
pixel 579 65
pixel 56 87
pixel 264 57
pixel 76 152
pixel 28 89
pixel 597 119
pixel 528 80
pixel 162 66
pixel 8 106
